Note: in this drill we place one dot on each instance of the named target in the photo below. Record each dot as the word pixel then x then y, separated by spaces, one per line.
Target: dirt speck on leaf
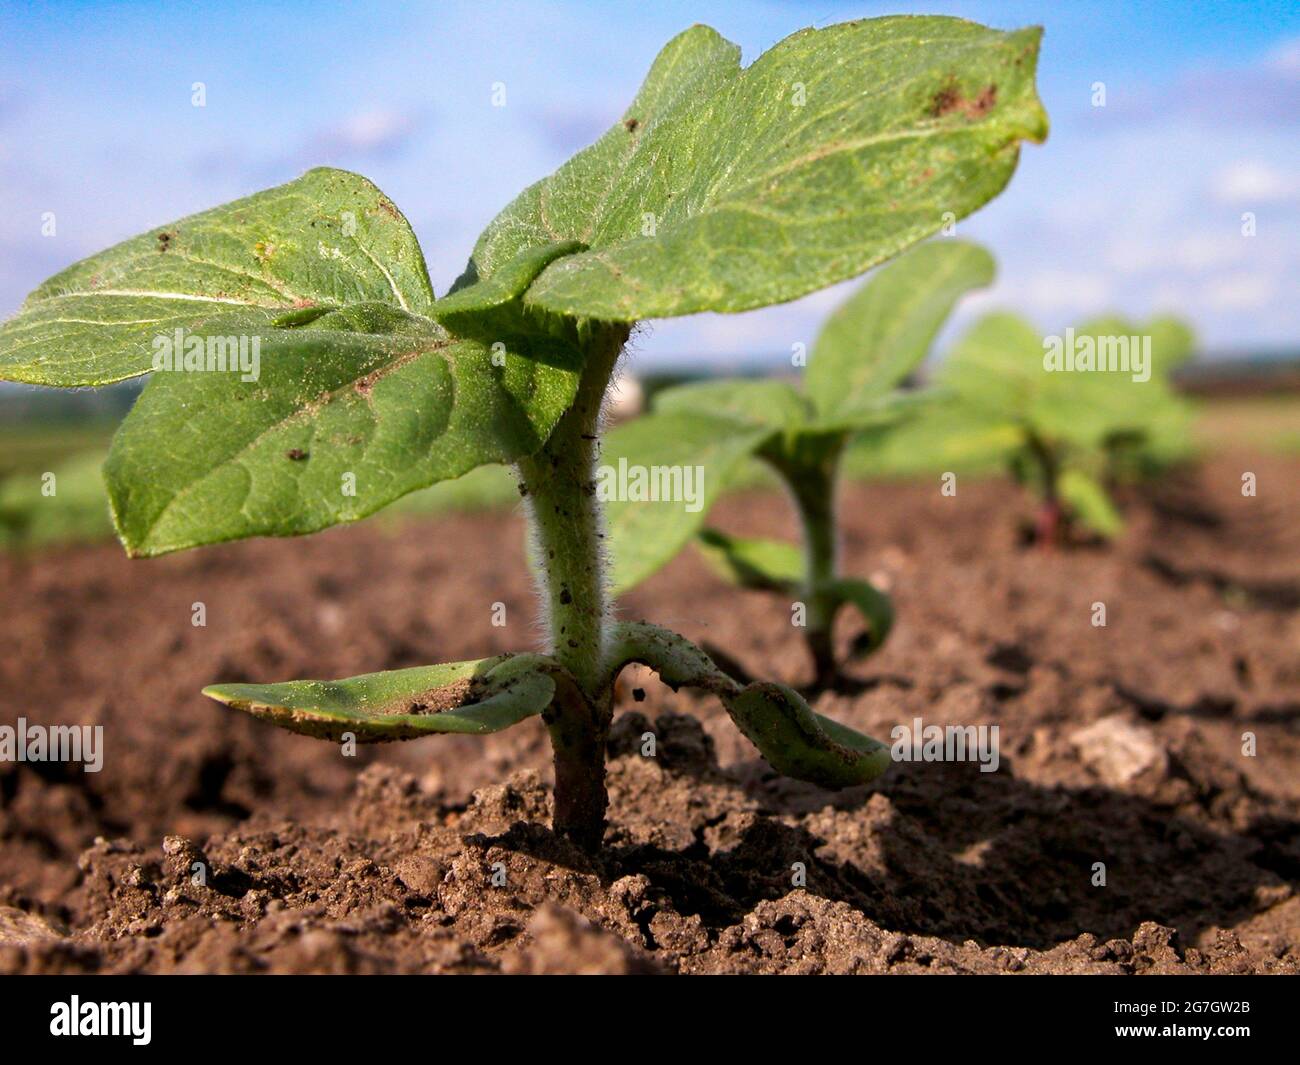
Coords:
pixel 436 700
pixel 950 98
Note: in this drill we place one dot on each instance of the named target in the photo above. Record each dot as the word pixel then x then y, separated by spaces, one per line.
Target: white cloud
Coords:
pixel 1050 291
pixel 1206 251
pixel 367 133
pixel 1250 182
pixel 1285 58
pixel 986 299
pixel 1171 297
pixel 1239 292
pixel 1155 251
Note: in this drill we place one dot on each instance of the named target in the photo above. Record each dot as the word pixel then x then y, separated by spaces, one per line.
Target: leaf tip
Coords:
pixel 1037 124
pixel 221 693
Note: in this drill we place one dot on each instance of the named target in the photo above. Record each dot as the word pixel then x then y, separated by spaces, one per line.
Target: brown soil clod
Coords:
pixel 438 700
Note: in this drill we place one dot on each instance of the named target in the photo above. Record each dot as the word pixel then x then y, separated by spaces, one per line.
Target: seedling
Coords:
pixel 722 189
pixel 866 349
pixel 1159 436
pixel 1067 433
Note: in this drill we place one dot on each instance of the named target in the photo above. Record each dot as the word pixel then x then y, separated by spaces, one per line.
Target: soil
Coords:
pixel 1124 745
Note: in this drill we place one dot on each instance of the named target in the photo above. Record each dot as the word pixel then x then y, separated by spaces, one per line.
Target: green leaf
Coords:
pixel 328 239
pixel 725 189
pixel 768 565
pixel 468 697
pixel 997 373
pixel 494 305
pixel 996 367
pixel 680 449
pixel 1090 503
pixel 795 741
pixel 758 401
pixel 1086 408
pixel 569 204
pixel 997 385
pixel 948 437
pixel 799 743
pixel 338 424
pixel 876 608
pixel 1173 342
pixel 885 415
pixel 880 335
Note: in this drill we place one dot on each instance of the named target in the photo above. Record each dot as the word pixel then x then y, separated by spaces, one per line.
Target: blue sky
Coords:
pixel 1134 206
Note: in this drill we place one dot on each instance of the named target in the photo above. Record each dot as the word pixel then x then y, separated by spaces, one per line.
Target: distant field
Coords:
pixel 78 510
pixel 1268 422
pixel 42 446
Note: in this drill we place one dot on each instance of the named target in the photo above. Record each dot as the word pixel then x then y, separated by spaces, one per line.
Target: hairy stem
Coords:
pixel 568 532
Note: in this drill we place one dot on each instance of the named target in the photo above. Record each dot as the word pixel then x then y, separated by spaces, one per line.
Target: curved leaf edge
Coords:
pixel 874 606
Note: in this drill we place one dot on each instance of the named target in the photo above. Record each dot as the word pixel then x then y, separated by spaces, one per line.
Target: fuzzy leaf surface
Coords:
pixel 339 424
pixel 327 239
pixel 725 189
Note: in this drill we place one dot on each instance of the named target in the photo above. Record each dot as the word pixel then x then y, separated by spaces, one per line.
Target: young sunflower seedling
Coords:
pixel 722 189
pixel 865 350
pixel 1157 435
pixel 1068 427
